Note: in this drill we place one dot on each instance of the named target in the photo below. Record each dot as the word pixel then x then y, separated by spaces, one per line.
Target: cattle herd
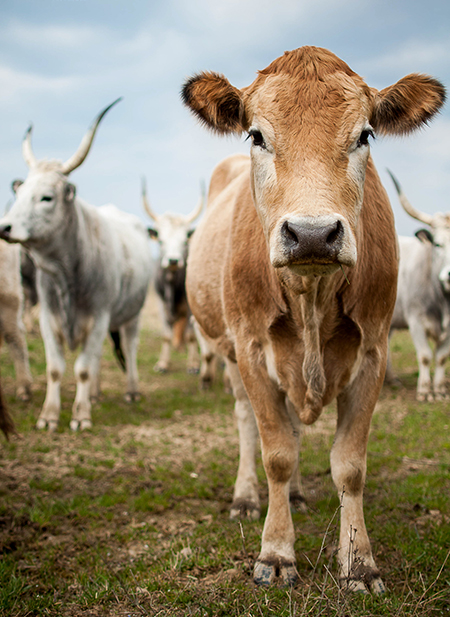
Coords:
pixel 291 280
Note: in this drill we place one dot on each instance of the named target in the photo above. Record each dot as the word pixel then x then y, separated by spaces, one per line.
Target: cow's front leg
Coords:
pixel 129 333
pixel 85 370
pixel 54 357
pixel 441 354
pixel 424 358
pixel 245 498
pixel 279 445
pixel 193 364
pixel 358 571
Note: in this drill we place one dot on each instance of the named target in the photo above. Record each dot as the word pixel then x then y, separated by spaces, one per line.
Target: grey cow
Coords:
pixel 173 231
pixel 423 297
pixel 93 270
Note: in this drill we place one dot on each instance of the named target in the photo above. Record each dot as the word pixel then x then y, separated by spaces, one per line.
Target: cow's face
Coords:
pixel 440 239
pixel 40 209
pixel 172 233
pixel 310 119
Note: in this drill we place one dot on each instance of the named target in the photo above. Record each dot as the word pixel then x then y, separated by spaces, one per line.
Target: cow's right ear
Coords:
pixel 407 105
pixel 424 235
pixel 15 185
pixel 153 233
pixel 70 191
pixel 215 102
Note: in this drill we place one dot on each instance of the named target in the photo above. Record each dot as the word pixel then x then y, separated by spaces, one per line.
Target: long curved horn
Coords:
pixel 145 202
pixel 86 143
pixel 190 218
pixel 420 216
pixel 27 150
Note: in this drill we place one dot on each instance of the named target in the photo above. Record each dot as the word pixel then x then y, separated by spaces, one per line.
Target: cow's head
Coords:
pixel 172 231
pixel 437 237
pixel 43 200
pixel 310 119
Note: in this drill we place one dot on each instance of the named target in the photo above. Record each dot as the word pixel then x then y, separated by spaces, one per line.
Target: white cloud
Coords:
pixel 16 84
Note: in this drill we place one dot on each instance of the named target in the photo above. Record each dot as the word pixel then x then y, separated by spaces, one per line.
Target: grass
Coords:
pixel 131 518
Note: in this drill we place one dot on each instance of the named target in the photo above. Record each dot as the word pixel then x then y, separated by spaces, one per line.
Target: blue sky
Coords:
pixel 62 61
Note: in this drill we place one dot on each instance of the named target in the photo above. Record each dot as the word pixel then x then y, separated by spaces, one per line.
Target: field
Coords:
pixel 131 518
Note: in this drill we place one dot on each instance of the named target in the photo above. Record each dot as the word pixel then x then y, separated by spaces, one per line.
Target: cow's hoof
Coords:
pixel 85 425
pixel 160 369
pixel 24 393
pixel 193 370
pixel 132 397
pixel 74 425
pixel 298 503
pixel 441 396
pixel 267 573
pixel 377 587
pixel 205 383
pixel 41 424
pixel 365 579
pixel 244 509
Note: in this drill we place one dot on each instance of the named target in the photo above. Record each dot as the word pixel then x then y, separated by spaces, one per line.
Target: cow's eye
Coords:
pixel 46 198
pixel 257 138
pixel 364 138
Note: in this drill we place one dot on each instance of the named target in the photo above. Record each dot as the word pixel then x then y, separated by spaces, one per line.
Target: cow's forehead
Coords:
pixel 42 177
pixel 286 98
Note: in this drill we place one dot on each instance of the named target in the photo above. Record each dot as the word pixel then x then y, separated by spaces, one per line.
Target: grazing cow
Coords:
pixel 173 232
pixel 93 268
pixel 292 277
pixel 423 297
pixel 11 316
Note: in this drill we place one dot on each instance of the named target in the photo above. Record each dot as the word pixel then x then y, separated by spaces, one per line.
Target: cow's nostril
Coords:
pixel 288 232
pixel 335 234
pixel 5 231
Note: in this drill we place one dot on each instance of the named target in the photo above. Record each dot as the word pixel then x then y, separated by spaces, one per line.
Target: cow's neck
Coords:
pixel 311 299
pixel 60 260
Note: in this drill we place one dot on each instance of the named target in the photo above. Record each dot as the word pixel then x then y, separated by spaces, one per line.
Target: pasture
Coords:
pixel 131 517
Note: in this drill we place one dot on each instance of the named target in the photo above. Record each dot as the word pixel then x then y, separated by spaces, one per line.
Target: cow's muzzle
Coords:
pixel 309 244
pixel 5 232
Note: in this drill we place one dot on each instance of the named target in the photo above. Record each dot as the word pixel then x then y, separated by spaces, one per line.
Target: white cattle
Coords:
pixel 93 269
pixel 172 231
pixel 423 297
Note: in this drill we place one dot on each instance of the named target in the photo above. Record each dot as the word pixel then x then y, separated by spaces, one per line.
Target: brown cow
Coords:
pixel 292 277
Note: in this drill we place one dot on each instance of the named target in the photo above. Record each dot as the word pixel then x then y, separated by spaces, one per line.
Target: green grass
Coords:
pixel 131 518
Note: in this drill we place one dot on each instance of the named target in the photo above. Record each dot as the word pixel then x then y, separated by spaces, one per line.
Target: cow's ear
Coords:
pixel 70 191
pixel 424 236
pixel 153 233
pixel 15 185
pixel 215 102
pixel 407 105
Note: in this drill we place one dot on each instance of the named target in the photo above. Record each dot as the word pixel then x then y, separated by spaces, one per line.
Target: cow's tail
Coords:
pixel 115 336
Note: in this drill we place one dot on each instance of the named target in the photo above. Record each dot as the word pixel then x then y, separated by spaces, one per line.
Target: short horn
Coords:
pixel 146 204
pixel 420 216
pixel 27 150
pixel 190 218
pixel 86 143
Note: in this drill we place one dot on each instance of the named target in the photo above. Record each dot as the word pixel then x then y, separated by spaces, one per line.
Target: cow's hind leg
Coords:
pixel 193 364
pixel 86 369
pixel 245 498
pixel 424 358
pixel 14 335
pixel 441 354
pixel 208 364
pixel 358 571
pixel 129 334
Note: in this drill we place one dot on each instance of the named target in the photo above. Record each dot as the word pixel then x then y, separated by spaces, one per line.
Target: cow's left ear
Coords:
pixel 215 102
pixel 153 233
pixel 15 185
pixel 424 235
pixel 70 191
pixel 407 105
